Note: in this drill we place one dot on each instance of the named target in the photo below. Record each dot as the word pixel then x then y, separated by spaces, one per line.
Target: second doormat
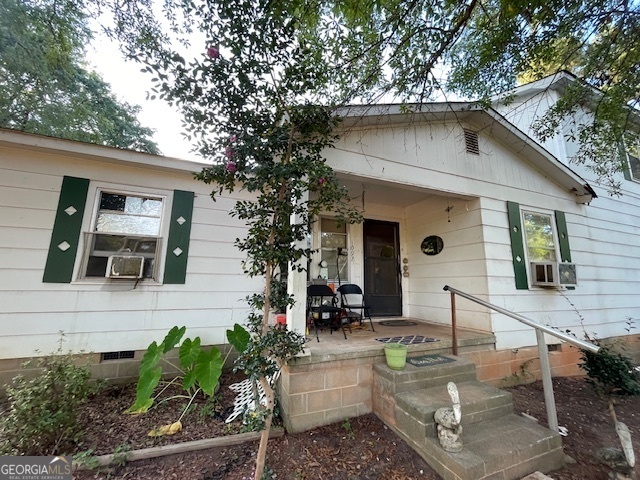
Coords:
pixel 429 360
pixel 408 339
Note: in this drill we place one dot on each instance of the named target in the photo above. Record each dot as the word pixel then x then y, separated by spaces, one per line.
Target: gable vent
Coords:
pixel 471 142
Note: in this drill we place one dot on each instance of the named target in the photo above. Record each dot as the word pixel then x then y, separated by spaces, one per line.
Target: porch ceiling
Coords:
pixel 386 193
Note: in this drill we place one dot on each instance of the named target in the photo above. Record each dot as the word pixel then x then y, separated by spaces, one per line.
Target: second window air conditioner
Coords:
pixel 553 274
pixel 120 266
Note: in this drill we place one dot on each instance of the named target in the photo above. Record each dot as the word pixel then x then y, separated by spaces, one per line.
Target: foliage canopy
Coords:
pixel 44 86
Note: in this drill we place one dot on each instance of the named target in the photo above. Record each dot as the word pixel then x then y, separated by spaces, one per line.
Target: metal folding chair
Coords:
pixel 352 302
pixel 323 310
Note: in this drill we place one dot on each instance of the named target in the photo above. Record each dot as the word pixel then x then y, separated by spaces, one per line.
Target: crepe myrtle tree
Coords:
pixel 256 104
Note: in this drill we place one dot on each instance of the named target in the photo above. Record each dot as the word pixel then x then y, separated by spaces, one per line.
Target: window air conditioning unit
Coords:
pixel 553 274
pixel 120 266
pixel 567 274
pixel 544 274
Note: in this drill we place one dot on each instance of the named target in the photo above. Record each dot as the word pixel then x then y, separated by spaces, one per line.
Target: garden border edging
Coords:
pixel 184 447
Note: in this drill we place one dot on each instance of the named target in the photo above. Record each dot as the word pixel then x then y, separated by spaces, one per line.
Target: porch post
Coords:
pixel 297 286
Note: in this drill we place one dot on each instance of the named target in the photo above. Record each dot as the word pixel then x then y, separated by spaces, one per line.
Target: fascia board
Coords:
pixel 69 148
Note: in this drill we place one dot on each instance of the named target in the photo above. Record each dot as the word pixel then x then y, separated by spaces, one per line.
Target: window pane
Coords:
pixel 333 240
pixel 112 201
pixel 342 265
pixel 330 225
pixel 110 244
pixel 118 223
pixel 143 206
pixel 539 236
pixel 634 165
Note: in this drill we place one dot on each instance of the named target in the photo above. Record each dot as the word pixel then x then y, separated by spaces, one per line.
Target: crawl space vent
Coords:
pixel 118 355
pixel 471 142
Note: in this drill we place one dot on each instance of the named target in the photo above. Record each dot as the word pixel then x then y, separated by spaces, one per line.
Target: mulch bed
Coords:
pixel 360 448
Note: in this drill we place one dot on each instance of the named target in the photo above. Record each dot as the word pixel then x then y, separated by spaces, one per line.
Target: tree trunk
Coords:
pixel 262 450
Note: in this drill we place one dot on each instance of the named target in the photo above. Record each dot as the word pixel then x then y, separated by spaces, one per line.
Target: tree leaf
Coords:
pixel 208 369
pixel 238 337
pixel 189 351
pixel 173 338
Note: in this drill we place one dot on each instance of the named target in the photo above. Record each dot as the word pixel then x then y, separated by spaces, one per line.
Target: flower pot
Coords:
pixel 396 355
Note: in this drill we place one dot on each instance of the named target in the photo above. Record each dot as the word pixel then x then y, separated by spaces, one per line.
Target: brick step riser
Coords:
pixel 408 420
pixel 544 455
pixel 498 445
pixel 479 402
pixel 417 378
pixel 425 383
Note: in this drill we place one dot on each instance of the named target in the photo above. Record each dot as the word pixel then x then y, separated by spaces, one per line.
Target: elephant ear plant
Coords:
pixel 199 368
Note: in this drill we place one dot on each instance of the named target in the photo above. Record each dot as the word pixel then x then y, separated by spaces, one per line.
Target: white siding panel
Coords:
pixel 25 218
pixel 100 314
pixel 27 238
pixel 23 198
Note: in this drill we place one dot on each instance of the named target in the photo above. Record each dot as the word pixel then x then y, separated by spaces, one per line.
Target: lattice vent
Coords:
pixel 471 142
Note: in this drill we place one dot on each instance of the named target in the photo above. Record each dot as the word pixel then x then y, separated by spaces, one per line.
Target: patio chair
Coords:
pixel 352 302
pixel 323 309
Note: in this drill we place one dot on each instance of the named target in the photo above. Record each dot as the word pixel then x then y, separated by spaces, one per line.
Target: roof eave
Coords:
pixel 70 148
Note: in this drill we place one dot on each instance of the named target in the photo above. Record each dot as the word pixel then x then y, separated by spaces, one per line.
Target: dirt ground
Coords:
pixel 360 448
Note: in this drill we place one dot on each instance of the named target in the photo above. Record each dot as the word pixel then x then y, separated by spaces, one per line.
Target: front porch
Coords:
pixel 334 380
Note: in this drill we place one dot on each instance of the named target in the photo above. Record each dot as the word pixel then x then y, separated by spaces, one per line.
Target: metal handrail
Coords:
pixel 542 346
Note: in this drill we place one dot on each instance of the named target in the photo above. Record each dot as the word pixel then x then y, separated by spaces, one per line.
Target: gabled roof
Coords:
pixel 559 82
pixel 485 119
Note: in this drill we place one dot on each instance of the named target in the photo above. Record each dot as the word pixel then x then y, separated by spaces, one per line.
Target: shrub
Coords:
pixel 610 372
pixel 42 413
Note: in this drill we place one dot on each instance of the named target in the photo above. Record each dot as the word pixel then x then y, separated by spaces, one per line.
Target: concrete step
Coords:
pixel 479 402
pixel 457 370
pixel 504 448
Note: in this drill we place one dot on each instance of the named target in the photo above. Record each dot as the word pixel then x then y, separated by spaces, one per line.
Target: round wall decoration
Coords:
pixel 432 245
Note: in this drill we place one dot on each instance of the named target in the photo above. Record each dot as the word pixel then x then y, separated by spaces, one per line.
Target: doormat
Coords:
pixel 429 360
pixel 407 339
pixel 398 323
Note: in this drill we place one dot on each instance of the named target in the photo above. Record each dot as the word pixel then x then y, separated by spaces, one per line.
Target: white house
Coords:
pixel 451 195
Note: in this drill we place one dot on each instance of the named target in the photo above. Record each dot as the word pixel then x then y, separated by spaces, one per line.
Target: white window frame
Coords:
pixel 556 241
pixel 90 220
pixel 636 141
pixel 321 249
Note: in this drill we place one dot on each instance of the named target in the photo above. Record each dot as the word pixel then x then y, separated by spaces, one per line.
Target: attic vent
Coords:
pixel 471 142
pixel 118 355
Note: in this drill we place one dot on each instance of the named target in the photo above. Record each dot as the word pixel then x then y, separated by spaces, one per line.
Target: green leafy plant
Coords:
pixel 349 429
pixel 121 454
pixel 200 371
pixel 42 416
pixel 521 376
pixel 253 420
pixel 86 458
pixel 611 373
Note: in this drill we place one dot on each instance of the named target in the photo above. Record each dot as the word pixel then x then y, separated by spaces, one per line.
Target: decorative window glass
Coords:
pixel 333 249
pixel 126 225
pixel 539 237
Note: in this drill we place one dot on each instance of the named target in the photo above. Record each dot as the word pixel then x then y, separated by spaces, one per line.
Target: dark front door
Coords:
pixel 382 290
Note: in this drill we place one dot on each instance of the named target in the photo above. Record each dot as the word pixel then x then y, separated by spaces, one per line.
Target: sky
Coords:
pixel 129 84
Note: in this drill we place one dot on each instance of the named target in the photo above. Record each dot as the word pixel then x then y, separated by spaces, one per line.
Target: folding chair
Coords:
pixel 323 310
pixel 352 301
